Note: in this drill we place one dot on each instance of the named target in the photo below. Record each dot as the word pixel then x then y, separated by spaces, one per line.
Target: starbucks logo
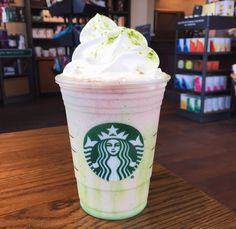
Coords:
pixel 113 151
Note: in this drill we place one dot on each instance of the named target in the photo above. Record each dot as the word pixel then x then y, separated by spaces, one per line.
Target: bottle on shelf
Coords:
pixel 21 43
pixel 120 5
pixel 12 41
pixel 4 15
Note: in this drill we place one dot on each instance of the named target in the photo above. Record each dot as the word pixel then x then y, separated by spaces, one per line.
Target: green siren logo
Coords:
pixel 113 150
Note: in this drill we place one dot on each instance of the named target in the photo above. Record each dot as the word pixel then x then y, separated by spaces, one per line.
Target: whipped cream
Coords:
pixel 108 52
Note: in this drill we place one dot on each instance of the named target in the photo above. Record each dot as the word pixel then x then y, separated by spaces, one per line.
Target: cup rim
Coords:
pixel 98 83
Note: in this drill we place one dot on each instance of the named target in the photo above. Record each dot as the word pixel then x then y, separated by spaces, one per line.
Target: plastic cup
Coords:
pixel 113 129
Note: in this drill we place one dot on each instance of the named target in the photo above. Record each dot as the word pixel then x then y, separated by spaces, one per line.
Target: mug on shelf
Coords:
pixel 45 53
pixel 38 51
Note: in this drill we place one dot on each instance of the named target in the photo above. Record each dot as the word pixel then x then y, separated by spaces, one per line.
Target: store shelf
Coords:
pixel 119 13
pixel 43 39
pixel 204 117
pixel 209 73
pixel 207 53
pixel 210 22
pixel 39 8
pixel 73 7
pixel 69 10
pixel 44 58
pixel 14 22
pixel 15 53
pixel 219 72
pixel 38 5
pixel 186 71
pixel 63 41
pixel 61 8
pixel 46 43
pixel 14 76
pixel 45 23
pixel 189 53
pixel 206 23
pixel 214 93
pixel 221 53
pixel 18 87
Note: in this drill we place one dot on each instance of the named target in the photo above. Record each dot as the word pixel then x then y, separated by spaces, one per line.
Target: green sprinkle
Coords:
pixel 106 24
pixel 110 40
pixel 139 71
pixel 135 37
pixel 152 55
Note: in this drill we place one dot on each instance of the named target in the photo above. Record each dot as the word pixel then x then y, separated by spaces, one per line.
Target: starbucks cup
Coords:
pixel 113 130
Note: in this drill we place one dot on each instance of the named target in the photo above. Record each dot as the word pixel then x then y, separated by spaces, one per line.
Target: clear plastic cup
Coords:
pixel 113 130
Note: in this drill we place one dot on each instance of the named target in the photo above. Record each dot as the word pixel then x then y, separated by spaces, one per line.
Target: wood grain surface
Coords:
pixel 38 190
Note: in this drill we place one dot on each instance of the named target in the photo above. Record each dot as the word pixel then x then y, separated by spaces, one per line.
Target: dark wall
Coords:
pixel 164 43
pixel 166 53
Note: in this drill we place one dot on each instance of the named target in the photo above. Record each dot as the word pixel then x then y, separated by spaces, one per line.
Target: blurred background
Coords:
pixel 195 41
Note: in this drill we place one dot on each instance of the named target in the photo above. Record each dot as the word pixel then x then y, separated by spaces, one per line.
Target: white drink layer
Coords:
pixel 111 53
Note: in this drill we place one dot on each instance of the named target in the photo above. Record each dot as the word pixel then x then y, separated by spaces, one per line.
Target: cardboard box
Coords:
pixel 183 101
pixel 225 8
pixel 209 9
pixel 212 65
pixel 190 103
pixel 197 105
pixel 198 83
pixel 219 44
pixel 16 86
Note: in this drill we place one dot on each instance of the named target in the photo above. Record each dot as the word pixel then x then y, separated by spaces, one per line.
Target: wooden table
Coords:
pixel 38 190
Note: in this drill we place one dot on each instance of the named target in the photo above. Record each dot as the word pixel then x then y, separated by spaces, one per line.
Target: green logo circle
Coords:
pixel 113 151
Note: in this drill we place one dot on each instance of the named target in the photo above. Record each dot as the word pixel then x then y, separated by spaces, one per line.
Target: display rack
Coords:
pixel 44 64
pixel 19 86
pixel 205 23
pixel 17 82
pixel 119 11
pixel 70 10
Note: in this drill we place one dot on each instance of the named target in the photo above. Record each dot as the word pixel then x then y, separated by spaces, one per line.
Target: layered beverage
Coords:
pixel 112 91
